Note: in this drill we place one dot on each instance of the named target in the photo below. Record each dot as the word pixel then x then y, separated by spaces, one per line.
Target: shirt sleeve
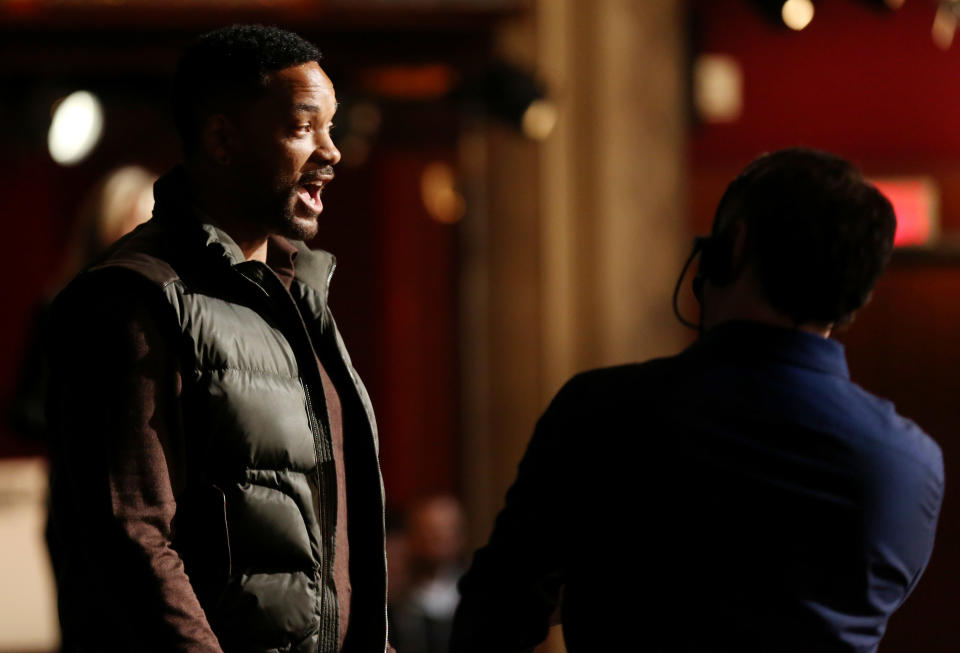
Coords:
pixel 513 586
pixel 116 469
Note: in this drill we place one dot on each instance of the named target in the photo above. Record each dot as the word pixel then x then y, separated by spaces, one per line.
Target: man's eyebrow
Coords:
pixel 307 108
pixel 310 108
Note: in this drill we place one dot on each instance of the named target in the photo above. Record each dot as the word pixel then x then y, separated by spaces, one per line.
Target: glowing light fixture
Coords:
pixel 539 119
pixel 440 196
pixel 717 88
pixel 76 127
pixel 945 24
pixel 916 202
pixel 797 14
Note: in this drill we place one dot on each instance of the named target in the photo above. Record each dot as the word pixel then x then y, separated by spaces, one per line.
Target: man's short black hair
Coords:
pixel 227 65
pixel 818 234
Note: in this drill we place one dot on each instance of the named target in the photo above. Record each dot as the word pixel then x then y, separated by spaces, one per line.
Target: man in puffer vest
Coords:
pixel 215 476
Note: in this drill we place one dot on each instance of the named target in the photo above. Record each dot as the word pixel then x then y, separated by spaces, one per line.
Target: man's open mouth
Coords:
pixel 309 193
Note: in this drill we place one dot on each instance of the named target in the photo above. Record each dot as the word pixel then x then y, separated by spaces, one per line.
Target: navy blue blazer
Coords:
pixel 744 495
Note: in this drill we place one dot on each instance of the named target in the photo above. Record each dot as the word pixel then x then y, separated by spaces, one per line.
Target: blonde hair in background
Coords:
pixel 118 203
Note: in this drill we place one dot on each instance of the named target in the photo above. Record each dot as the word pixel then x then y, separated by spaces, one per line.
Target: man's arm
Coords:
pixel 513 586
pixel 116 464
pixel 902 520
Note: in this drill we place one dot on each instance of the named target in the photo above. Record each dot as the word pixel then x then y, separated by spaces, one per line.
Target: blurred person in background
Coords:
pixel 215 482
pixel 120 202
pixel 422 607
pixel 397 572
pixel 743 495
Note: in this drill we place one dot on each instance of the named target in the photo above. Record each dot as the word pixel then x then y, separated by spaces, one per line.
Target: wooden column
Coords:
pixel 573 250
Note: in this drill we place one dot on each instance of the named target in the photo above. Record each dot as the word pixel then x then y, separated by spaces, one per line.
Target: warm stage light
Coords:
pixel 797 14
pixel 75 128
pixel 438 190
pixel 717 88
pixel 944 26
pixel 539 119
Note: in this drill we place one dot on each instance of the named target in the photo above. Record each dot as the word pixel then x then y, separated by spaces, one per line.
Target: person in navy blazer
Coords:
pixel 745 494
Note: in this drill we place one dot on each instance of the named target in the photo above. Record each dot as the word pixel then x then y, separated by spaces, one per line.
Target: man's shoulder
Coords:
pixel 621 385
pixel 889 436
pixel 604 378
pixel 130 278
pixel 149 251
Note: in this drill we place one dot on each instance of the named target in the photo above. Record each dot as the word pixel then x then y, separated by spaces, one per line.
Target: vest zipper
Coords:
pixel 376 455
pixel 327 521
pixel 329 632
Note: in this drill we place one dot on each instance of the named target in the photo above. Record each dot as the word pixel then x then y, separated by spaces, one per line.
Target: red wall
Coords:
pixel 868 83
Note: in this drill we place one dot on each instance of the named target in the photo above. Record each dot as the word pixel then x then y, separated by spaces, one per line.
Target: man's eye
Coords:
pixel 304 129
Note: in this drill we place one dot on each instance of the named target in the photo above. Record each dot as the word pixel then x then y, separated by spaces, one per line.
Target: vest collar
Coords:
pixel 174 205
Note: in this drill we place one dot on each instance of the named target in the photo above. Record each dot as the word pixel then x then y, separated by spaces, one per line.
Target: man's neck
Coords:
pixel 742 301
pixel 251 241
pixel 774 319
pixel 214 200
pixel 254 251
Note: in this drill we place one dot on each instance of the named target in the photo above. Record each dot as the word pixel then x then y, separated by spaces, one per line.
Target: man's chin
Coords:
pixel 302 227
pixel 299 222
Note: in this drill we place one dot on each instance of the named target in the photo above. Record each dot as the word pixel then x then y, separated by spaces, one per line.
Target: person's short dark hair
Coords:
pixel 819 235
pixel 230 65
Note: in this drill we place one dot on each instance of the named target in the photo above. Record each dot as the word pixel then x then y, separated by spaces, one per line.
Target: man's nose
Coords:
pixel 326 151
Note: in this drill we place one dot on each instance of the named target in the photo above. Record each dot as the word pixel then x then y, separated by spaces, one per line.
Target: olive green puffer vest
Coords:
pixel 256 526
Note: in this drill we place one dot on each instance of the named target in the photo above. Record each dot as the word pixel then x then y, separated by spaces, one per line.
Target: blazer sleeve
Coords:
pixel 513 587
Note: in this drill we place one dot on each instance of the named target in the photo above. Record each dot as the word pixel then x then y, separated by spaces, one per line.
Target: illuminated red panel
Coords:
pixel 915 201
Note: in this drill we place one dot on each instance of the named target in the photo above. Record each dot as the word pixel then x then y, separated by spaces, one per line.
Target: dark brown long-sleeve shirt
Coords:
pixel 116 470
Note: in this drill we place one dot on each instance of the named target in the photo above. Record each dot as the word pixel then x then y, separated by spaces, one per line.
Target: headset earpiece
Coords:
pixel 698 246
pixel 716 259
pixel 698 287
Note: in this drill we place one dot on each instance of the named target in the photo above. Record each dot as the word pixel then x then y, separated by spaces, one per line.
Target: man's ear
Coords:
pixel 219 138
